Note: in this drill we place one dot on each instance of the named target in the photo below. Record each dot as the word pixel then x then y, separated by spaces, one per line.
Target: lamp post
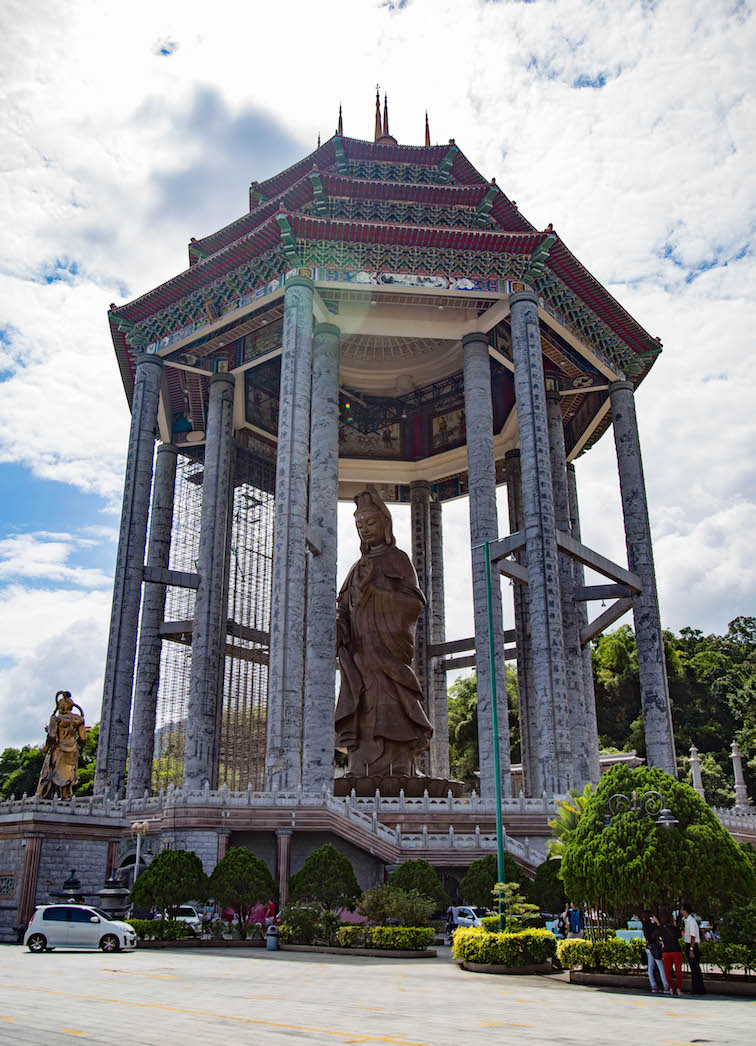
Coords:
pixel 486 545
pixel 650 804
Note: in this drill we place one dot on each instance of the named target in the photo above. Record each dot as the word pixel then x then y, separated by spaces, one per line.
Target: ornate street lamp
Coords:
pixel 650 804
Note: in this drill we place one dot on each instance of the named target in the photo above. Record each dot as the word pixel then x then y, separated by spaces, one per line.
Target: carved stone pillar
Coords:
pixel 283 862
pixel 28 892
pixel 440 703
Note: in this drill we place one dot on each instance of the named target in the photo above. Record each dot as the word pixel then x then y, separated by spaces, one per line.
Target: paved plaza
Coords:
pixel 219 997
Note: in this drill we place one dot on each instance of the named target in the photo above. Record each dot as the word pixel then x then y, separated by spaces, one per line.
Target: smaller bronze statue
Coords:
pixel 66 733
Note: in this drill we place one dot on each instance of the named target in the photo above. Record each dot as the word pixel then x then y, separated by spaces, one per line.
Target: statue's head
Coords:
pixel 373 520
pixel 64 702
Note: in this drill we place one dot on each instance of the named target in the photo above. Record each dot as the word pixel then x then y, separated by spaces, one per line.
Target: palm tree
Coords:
pixel 569 812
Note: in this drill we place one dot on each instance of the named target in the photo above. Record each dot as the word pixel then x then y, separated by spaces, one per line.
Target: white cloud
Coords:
pixel 45 556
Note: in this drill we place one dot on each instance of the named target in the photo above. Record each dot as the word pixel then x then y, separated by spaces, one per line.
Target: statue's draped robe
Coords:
pixel 65 732
pixel 380 720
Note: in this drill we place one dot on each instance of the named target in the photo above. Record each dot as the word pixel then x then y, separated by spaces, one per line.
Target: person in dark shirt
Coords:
pixel 672 951
pixel 654 952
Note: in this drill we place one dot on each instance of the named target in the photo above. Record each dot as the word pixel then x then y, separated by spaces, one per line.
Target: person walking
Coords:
pixel 671 952
pixel 692 937
pixel 655 953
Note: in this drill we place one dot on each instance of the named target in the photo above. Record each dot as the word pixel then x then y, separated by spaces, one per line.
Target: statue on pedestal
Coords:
pixel 66 733
pixel 380 720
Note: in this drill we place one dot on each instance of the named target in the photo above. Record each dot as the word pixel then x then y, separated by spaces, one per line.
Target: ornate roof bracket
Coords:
pixel 445 167
pixel 287 238
pixel 341 160
pixel 485 205
pixel 255 196
pixel 539 257
pixel 320 199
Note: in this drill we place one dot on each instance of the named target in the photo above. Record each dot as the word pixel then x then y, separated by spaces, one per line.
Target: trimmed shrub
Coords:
pixel 423 877
pixel 611 954
pixel 299 924
pixel 351 936
pixel 170 880
pixel 160 929
pixel 387 902
pixel 728 957
pixel 548 889
pixel 478 882
pixel 515 950
pixel 326 879
pixel 239 881
pixel 399 938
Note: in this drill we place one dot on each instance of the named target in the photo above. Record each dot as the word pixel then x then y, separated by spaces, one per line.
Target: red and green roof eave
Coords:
pixel 275 203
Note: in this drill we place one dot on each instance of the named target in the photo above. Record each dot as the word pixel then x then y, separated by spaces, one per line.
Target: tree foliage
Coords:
pixel 326 878
pixel 239 881
pixel 478 882
pixel 633 864
pixel 463 727
pixel 170 880
pixel 569 811
pixel 420 876
pixel 548 888
pixel 404 907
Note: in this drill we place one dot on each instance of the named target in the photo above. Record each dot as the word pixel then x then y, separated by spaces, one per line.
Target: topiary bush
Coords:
pixel 423 877
pixel 610 954
pixel 515 950
pixel 548 889
pixel 239 881
pixel 399 938
pixel 351 936
pixel 326 879
pixel 170 880
pixel 574 953
pixel 160 929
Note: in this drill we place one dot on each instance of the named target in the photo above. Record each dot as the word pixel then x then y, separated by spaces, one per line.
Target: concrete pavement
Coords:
pixel 217 997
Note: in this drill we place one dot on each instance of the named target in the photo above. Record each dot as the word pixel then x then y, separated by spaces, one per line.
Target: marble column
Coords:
pixel 111 861
pixel 573 652
pixel 741 792
pixel 484 526
pixel 283 863
pixel 224 837
pixel 420 494
pixel 211 606
pixel 147 679
pixel 695 772
pixel 320 675
pixel 544 595
pixel 439 750
pixel 531 767
pixel 589 693
pixel 110 774
pixel 287 626
pixel 29 876
pixel 652 668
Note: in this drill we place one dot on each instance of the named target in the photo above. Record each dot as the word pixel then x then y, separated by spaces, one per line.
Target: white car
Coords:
pixel 188 915
pixel 464 915
pixel 76 926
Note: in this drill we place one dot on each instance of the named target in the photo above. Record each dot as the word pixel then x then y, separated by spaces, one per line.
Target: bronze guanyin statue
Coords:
pixel 380 720
pixel 66 733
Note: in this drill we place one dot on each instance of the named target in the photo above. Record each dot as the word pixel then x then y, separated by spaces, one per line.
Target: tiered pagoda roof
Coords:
pixel 362 216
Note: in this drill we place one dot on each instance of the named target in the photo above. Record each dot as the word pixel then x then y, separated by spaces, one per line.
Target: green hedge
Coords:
pixel 728 957
pixel 160 929
pixel 526 948
pixel 391 938
pixel 612 954
pixel 492 924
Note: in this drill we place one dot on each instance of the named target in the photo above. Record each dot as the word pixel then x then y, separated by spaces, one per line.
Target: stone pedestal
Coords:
pixel 211 608
pixel 110 775
pixel 484 527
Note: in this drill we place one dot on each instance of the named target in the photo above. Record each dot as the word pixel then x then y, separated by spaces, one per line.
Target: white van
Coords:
pixel 76 926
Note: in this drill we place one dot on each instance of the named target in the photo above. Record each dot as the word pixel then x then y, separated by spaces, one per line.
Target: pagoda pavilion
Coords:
pixel 382 314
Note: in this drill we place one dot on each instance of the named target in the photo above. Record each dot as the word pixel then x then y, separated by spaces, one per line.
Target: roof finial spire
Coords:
pixel 378 127
pixel 385 116
pixel 340 125
pixel 427 131
pixel 318 139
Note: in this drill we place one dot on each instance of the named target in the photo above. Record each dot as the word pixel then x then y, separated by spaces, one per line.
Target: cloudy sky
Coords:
pixel 125 131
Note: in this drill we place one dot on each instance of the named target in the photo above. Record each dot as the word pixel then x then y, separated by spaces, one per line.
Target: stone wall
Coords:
pixel 11 864
pixel 88 857
pixel 367 868
pixel 203 843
